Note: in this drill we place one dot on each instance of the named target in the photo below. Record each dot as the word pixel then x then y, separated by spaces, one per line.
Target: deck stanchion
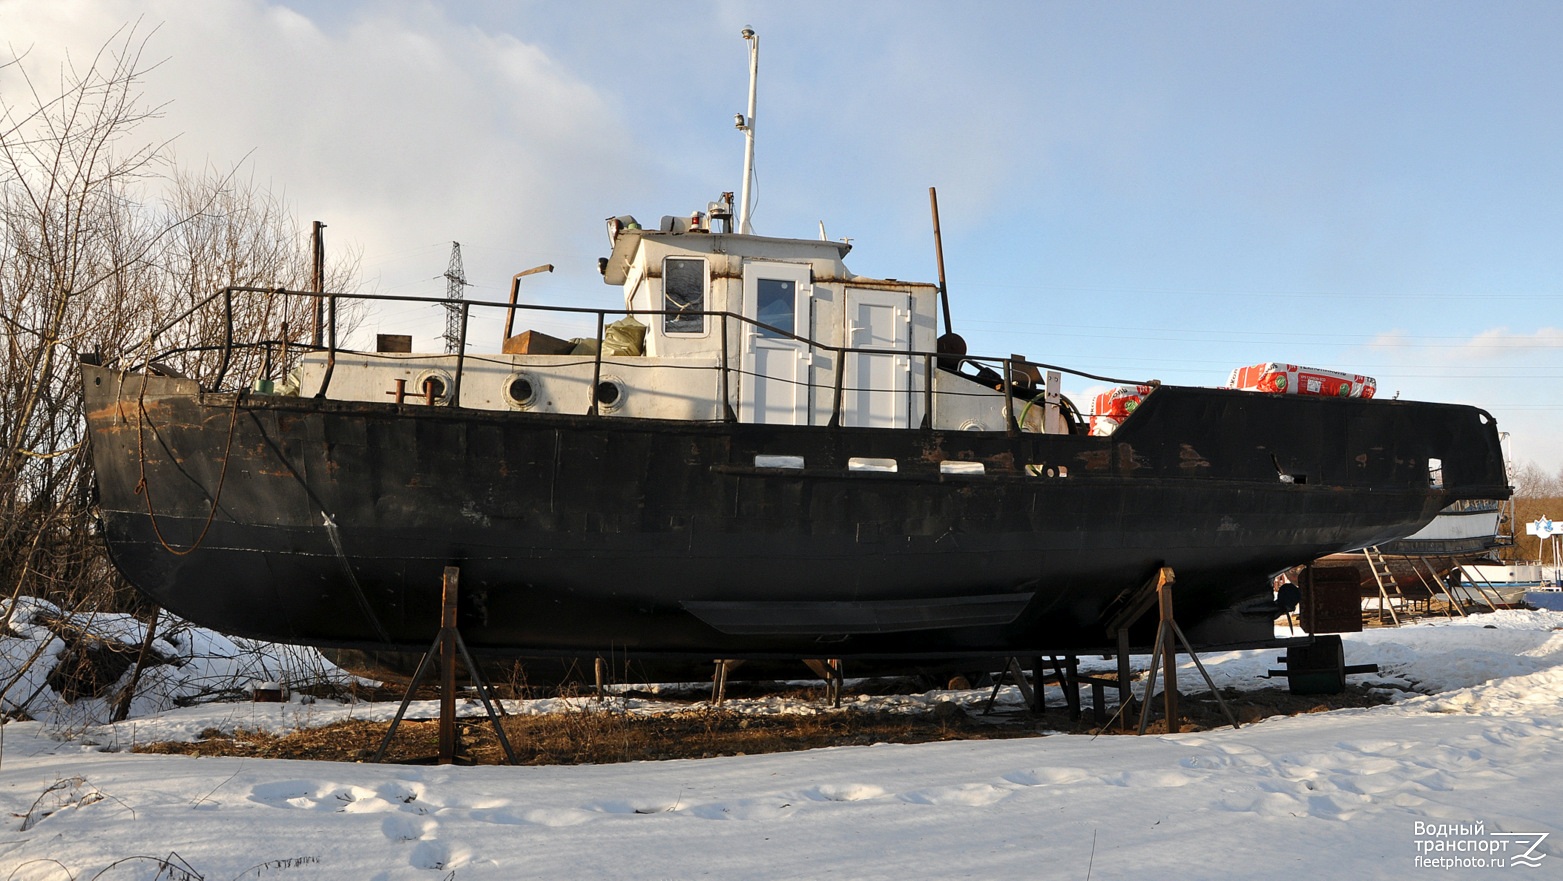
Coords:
pixel 222 367
pixel 596 366
pixel 928 391
pixel 461 356
pixel 1011 426
pixel 727 397
pixel 325 381
pixel 835 402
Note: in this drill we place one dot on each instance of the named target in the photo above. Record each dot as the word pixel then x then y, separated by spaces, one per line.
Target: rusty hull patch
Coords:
pixel 1189 458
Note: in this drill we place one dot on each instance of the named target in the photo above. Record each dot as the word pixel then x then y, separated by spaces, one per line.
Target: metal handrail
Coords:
pixel 1006 364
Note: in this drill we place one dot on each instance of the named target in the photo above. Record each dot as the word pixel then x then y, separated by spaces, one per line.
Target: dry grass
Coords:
pixel 603 735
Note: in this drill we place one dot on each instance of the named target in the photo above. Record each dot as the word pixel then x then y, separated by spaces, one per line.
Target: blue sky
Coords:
pixel 1164 190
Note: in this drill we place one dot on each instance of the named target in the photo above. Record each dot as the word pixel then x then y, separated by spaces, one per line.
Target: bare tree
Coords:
pixel 90 263
pixel 228 233
pixel 72 248
pixel 1531 481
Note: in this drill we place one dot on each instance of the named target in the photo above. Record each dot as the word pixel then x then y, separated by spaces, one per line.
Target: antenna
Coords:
pixel 455 280
pixel 746 125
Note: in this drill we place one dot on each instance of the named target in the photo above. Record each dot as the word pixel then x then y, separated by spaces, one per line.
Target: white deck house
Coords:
pixel 781 315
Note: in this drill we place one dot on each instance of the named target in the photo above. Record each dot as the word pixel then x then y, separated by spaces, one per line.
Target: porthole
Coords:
pixel 430 383
pixel 610 394
pixel 973 425
pixel 520 390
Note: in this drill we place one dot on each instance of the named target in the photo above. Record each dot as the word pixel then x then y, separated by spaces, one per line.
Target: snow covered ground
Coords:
pixel 1464 766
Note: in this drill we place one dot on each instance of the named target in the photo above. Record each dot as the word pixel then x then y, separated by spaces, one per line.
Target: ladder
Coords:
pixel 1385 581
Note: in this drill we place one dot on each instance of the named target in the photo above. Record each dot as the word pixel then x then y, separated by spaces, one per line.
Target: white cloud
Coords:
pixel 402 130
pixel 1498 346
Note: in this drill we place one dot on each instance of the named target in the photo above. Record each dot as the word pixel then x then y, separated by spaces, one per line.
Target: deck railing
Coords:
pixel 1008 377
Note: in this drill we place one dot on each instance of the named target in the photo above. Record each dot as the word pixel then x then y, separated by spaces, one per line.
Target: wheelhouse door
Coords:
pixel 877 390
pixel 774 388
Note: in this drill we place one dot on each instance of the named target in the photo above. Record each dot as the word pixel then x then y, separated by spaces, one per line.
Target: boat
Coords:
pixel 1417 567
pixel 1506 584
pixel 788 496
pixel 1499 585
pixel 1465 528
pixel 761 455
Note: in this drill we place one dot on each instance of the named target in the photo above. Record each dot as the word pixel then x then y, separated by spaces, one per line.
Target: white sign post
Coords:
pixel 1548 532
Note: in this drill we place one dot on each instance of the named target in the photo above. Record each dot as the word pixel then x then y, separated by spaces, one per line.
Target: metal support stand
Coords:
pixel 1125 678
pixel 724 667
pixel 1131 608
pixel 830 670
pixel 1066 675
pixel 446 645
pixel 1013 671
pixel 1168 635
pixel 1066 670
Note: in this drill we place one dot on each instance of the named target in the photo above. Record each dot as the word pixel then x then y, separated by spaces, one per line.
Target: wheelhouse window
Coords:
pixel 776 306
pixel 684 295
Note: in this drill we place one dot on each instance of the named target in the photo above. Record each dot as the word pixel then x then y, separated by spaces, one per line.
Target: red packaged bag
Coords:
pixel 1290 379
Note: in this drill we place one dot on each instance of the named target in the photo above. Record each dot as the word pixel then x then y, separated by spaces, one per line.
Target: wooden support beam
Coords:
pixel 447 753
pixel 1169 660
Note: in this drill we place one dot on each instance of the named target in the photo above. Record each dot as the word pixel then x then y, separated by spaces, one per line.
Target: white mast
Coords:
pixel 746 125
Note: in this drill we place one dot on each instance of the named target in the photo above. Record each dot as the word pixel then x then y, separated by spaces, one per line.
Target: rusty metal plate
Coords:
pixel 1332 601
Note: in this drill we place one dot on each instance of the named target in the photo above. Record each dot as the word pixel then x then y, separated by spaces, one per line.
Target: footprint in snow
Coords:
pixel 1156 779
pixel 1388 748
pixel 632 807
pixel 405 827
pixel 1341 807
pixel 1047 776
pixel 969 794
pixel 555 817
pixel 311 795
pixel 845 792
pixel 1265 804
pixel 285 793
pixel 436 855
pixel 1367 783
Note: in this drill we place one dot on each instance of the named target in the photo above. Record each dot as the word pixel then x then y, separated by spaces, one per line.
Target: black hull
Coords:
pixel 577 535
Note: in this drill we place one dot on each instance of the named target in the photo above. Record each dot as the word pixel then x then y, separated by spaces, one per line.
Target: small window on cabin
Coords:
pixel 1435 473
pixel 776 306
pixel 870 463
pixel 684 295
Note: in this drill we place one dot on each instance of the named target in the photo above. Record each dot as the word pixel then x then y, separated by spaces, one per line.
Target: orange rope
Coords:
pixel 144 491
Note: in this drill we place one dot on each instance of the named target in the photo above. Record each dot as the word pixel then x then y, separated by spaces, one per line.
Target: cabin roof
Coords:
pixel 627 243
